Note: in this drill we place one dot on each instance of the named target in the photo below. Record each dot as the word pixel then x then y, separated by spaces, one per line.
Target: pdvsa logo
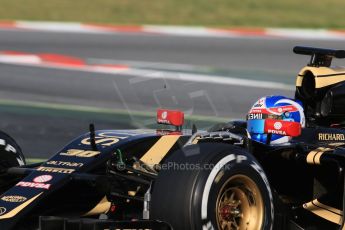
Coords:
pixel 278 125
pixel 38 182
pixel 279 132
pixel 164 115
pixel 43 178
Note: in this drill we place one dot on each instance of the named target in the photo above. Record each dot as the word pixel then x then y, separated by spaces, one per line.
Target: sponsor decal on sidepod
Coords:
pixel 38 182
pixel 14 199
pixel 331 137
pixel 55 170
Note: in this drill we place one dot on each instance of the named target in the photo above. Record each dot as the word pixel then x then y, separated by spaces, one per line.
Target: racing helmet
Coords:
pixel 275 119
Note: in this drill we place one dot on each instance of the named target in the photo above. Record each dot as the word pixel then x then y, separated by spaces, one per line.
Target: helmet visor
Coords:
pixel 256 126
pixel 286 128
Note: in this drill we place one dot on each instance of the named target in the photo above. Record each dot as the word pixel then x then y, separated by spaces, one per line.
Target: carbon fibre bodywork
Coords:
pixel 74 181
pixel 307 176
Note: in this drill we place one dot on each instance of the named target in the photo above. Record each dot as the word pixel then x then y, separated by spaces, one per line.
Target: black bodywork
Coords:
pixel 94 168
pixel 104 172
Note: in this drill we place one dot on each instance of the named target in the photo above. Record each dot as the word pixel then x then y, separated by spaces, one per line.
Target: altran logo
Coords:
pixel 278 125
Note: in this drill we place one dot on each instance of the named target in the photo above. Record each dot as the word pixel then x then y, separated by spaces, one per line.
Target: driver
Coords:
pixel 275 120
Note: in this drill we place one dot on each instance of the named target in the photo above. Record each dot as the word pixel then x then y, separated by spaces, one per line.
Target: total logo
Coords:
pixel 278 125
pixel 38 182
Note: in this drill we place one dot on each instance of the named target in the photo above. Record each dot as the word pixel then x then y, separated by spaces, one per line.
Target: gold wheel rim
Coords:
pixel 239 205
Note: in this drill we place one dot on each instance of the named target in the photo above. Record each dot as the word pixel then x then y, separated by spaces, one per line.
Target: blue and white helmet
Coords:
pixel 275 119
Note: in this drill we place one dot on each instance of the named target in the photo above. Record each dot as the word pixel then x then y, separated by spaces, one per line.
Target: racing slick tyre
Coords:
pixel 10 153
pixel 212 186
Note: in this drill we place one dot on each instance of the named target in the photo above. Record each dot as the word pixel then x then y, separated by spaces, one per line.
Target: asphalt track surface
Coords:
pixel 43 132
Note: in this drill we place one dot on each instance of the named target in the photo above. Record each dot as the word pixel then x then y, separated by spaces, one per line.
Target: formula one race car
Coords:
pixel 188 179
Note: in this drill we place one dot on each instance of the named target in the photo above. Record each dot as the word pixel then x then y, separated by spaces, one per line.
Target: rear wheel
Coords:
pixel 224 188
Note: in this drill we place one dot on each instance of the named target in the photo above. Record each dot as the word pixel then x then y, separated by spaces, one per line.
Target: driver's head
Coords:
pixel 275 119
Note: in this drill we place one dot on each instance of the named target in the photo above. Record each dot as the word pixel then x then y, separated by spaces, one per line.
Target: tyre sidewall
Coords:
pixel 178 195
pixel 10 153
pixel 232 164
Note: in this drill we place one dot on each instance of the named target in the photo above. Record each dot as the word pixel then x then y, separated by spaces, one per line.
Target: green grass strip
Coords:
pixel 223 13
pixel 89 109
pixel 134 119
pixel 34 160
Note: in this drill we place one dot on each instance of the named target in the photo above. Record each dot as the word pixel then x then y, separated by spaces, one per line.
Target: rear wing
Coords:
pixel 319 56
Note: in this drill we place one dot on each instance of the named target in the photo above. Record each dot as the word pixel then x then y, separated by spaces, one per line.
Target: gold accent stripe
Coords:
pixel 157 152
pixel 196 140
pixel 299 81
pixel 310 156
pixel 326 81
pixel 323 76
pixel 132 193
pixel 102 207
pixel 314 156
pixel 317 203
pixel 16 210
pixel 317 158
pixel 322 71
pixel 336 144
pixel 324 211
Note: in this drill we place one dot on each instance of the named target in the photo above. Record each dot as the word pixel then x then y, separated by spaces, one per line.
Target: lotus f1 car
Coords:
pixel 189 179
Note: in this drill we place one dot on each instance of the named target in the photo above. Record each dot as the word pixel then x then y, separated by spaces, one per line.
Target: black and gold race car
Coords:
pixel 190 179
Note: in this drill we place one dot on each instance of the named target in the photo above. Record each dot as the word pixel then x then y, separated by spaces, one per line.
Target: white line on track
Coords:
pixel 154 65
pixel 153 74
pixel 222 80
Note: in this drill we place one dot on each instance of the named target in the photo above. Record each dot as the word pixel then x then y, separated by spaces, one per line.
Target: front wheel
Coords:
pixel 10 156
pixel 213 186
pixel 10 153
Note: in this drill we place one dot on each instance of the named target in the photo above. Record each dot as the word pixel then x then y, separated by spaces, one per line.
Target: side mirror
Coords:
pixel 272 126
pixel 170 117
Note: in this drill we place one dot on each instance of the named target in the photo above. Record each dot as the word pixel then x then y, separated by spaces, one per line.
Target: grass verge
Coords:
pixel 223 13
